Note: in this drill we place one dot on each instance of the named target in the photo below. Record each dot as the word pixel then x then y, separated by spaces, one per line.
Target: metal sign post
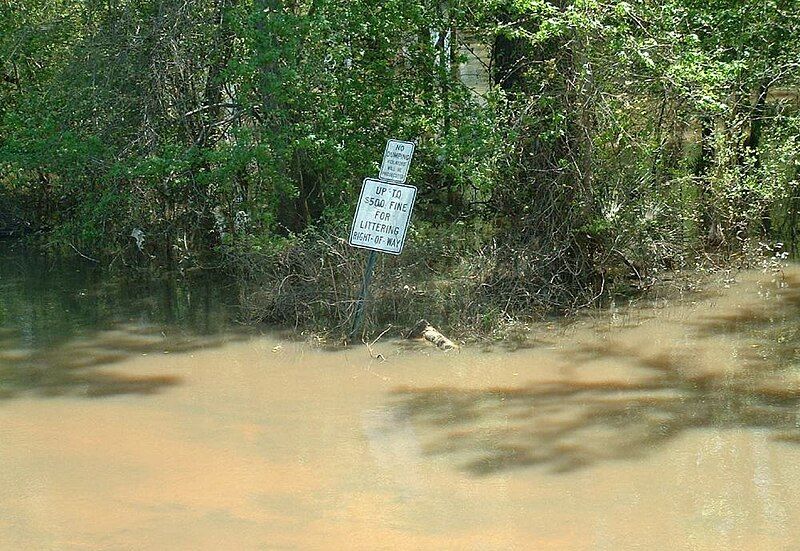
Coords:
pixel 362 296
pixel 382 215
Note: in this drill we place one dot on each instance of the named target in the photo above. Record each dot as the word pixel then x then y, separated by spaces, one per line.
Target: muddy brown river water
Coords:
pixel 673 425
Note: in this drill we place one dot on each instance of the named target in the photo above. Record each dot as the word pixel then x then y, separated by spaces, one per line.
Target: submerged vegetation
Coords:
pixel 566 149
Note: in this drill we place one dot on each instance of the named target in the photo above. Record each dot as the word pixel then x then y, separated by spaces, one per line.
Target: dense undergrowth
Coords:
pixel 469 289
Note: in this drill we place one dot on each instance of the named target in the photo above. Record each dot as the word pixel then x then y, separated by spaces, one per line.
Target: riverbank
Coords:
pixel 310 285
pixel 469 290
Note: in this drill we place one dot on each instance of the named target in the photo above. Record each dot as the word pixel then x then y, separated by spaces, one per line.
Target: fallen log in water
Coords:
pixel 424 330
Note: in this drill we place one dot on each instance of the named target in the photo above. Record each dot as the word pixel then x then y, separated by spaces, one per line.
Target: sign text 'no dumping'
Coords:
pixel 382 216
pixel 396 161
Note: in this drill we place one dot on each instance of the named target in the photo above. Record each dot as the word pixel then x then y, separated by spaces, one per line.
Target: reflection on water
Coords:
pixel 61 319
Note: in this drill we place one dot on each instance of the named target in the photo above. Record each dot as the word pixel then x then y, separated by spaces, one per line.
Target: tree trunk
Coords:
pixel 753 141
pixel 707 229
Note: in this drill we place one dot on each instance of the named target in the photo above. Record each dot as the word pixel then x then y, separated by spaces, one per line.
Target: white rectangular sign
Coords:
pixel 396 161
pixel 382 216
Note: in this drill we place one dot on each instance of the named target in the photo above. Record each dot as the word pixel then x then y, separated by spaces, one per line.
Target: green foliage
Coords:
pixel 611 137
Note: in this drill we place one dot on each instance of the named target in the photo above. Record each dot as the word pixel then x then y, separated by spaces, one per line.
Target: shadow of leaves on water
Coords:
pixel 79 366
pixel 567 425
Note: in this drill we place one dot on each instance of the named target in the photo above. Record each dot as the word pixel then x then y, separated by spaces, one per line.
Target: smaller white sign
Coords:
pixel 396 161
pixel 382 216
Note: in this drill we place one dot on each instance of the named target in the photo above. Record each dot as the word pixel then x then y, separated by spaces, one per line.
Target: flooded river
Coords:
pixel 141 417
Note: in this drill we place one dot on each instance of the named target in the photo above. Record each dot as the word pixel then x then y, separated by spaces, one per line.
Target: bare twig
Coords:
pixel 83 255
